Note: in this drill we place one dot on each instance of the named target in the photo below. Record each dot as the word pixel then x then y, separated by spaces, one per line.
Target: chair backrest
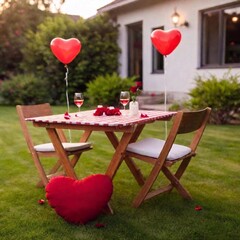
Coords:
pixel 28 111
pixel 187 122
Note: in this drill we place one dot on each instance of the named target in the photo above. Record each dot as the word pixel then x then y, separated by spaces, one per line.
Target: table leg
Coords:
pixel 85 136
pixel 131 165
pixel 61 152
pixel 118 155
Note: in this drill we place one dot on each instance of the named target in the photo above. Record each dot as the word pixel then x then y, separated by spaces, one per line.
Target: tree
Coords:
pixel 41 4
pixel 15 21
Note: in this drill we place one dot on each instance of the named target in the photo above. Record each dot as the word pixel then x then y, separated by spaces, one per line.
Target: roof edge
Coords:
pixel 112 5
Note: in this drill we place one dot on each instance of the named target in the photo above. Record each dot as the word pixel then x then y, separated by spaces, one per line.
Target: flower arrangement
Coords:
pixel 135 90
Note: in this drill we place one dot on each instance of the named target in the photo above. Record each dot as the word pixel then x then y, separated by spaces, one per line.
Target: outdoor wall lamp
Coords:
pixel 176 20
pixel 234 17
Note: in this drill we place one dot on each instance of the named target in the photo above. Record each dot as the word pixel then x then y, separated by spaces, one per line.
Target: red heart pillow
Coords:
pixel 79 201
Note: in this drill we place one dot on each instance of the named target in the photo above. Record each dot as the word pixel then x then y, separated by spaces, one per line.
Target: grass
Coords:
pixel 212 178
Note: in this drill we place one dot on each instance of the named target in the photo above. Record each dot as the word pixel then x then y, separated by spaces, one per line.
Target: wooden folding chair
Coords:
pixel 163 154
pixel 47 149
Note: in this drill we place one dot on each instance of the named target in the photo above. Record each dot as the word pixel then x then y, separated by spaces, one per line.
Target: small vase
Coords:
pixel 133 108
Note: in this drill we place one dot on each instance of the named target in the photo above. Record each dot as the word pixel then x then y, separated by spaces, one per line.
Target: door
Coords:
pixel 135 50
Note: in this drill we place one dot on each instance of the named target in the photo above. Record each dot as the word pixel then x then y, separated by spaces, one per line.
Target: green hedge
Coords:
pixel 24 89
pixel 105 90
pixel 221 94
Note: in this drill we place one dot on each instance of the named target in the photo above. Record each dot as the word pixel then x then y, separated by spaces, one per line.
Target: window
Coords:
pixel 157 59
pixel 221 36
pixel 135 50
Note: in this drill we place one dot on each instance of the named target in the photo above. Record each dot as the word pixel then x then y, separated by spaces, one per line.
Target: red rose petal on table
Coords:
pixel 198 208
pixel 41 201
pixel 114 111
pixel 143 115
pixel 99 111
pixel 109 111
pixel 66 115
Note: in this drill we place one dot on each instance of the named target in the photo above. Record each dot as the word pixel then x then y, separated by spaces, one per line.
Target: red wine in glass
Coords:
pixel 78 100
pixel 78 103
pixel 124 98
pixel 124 102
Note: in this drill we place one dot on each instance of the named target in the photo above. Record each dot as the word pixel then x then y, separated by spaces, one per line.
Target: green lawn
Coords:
pixel 213 178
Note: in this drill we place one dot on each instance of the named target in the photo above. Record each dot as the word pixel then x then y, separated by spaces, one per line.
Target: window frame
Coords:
pixel 221 40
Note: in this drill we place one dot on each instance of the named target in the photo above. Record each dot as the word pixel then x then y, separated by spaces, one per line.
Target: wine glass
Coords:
pixel 124 98
pixel 78 100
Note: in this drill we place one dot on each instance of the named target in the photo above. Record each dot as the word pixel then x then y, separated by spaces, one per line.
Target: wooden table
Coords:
pixel 130 127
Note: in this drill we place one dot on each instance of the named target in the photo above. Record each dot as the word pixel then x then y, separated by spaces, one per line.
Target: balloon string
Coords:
pixel 165 97
pixel 66 80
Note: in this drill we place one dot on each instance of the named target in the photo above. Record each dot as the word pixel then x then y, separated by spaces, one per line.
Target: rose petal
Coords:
pixel 99 225
pixel 198 208
pixel 67 116
pixel 41 201
pixel 99 111
pixel 143 115
pixel 109 111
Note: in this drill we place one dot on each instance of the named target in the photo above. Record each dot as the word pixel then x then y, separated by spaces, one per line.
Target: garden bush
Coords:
pixel 105 90
pixel 221 94
pixel 24 89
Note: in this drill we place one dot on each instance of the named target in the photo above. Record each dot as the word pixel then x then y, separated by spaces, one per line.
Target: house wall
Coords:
pixel 182 65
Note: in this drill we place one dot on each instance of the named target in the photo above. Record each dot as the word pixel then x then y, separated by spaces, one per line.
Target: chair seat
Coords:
pixel 152 147
pixel 48 147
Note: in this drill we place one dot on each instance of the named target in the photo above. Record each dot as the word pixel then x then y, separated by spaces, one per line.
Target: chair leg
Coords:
pixel 135 170
pixel 141 195
pixel 53 170
pixel 175 183
pixel 40 169
pixel 75 159
pixel 147 186
pixel 182 167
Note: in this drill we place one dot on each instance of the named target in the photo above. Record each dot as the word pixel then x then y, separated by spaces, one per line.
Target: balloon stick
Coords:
pixel 165 97
pixel 66 80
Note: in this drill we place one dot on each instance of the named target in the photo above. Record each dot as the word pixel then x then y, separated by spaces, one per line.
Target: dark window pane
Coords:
pixel 211 38
pixel 157 59
pixel 221 36
pixel 135 50
pixel 232 39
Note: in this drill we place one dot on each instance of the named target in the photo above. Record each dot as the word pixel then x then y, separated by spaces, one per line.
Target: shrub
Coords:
pixel 24 89
pixel 222 95
pixel 105 90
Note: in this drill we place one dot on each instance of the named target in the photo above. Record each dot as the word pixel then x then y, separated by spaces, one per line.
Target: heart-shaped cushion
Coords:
pixel 79 201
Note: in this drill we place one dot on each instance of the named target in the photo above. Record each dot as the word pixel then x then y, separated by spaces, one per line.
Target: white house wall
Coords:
pixel 181 66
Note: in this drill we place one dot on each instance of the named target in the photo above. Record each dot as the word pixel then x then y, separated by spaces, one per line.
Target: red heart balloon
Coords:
pixel 79 201
pixel 165 41
pixel 65 50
